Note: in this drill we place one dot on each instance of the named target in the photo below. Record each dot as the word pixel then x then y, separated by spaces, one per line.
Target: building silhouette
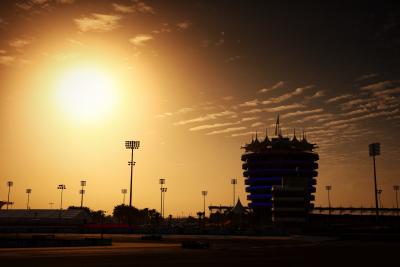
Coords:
pixel 280 176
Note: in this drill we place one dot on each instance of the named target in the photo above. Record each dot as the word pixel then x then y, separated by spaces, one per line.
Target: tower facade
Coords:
pixel 280 176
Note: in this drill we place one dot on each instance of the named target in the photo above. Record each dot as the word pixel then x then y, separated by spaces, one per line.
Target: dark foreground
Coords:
pixel 224 251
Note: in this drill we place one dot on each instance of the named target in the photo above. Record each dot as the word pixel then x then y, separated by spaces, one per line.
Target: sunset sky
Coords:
pixel 193 81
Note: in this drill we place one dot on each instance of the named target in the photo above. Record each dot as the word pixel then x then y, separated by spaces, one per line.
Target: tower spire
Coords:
pixel 277 128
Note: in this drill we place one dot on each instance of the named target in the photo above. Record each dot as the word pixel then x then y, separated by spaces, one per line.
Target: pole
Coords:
pixel 8 197
pixel 204 205
pixel 61 199
pixel 163 208
pixel 329 201
pixel 234 199
pixel 130 193
pixel 123 200
pixel 82 197
pixel 376 191
pixel 27 204
pixel 397 201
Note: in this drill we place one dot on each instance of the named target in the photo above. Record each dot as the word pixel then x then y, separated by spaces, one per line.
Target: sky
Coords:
pixel 193 81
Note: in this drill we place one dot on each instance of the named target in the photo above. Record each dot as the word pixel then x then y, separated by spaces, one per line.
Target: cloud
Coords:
pixel 6 60
pixel 184 25
pixel 370 115
pixel 19 43
pixel 207 117
pixel 242 134
pixel 211 126
pixel 366 77
pixel 338 98
pixel 287 96
pixel 284 107
pixel 165 114
pixel 123 8
pixel 141 39
pixel 316 95
pixel 315 118
pixel 257 124
pixel 378 86
pixel 227 98
pixel 249 118
pixel 251 103
pixel 227 130
pixel 301 113
pixel 253 111
pixel 144 8
pixel 184 110
pixel 98 23
pixel 350 104
pixel 278 85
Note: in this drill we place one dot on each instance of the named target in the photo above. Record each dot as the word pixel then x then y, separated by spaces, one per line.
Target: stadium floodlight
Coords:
pixel 163 191
pixel 131 145
pixel 61 187
pixel 161 182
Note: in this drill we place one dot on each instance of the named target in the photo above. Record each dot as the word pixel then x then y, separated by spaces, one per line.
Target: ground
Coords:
pixel 129 250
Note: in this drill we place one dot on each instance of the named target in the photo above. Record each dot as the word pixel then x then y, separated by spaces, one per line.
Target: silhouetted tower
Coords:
pixel 280 176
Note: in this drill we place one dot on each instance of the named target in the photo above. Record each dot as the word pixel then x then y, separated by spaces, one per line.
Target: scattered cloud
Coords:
pixel 19 43
pixel 207 117
pixel 6 60
pixel 251 103
pixel 287 96
pixel 278 85
pixel 211 126
pixel 366 77
pixel 253 111
pixel 378 86
pixel 183 25
pixel 242 134
pixel 98 23
pixel 227 130
pixel 249 118
pixel 284 107
pixel 370 115
pixel 123 8
pixel 316 95
pixel 256 124
pixel 141 39
pixel 301 113
pixel 227 98
pixel 338 98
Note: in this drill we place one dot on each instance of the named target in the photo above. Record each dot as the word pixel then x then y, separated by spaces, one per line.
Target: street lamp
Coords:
pixel 161 182
pixel 82 191
pixel 396 189
pixel 28 192
pixel 51 205
pixel 375 150
pixel 61 187
pixel 234 182
pixel 131 145
pixel 204 194
pixel 124 191
pixel 329 188
pixel 9 184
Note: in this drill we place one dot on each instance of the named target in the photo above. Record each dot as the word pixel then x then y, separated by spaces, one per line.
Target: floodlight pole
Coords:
pixel 329 188
pixel 82 191
pixel 204 193
pixel 28 192
pixel 396 189
pixel 131 145
pixel 61 187
pixel 234 182
pixel 123 191
pixel 161 182
pixel 374 150
pixel 9 184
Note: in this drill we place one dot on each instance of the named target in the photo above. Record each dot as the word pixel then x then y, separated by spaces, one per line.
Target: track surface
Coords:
pixel 129 250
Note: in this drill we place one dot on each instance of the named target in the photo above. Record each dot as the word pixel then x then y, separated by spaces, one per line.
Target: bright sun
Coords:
pixel 86 93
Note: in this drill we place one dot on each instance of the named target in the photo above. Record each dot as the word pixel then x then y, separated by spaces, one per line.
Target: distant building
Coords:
pixel 280 176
